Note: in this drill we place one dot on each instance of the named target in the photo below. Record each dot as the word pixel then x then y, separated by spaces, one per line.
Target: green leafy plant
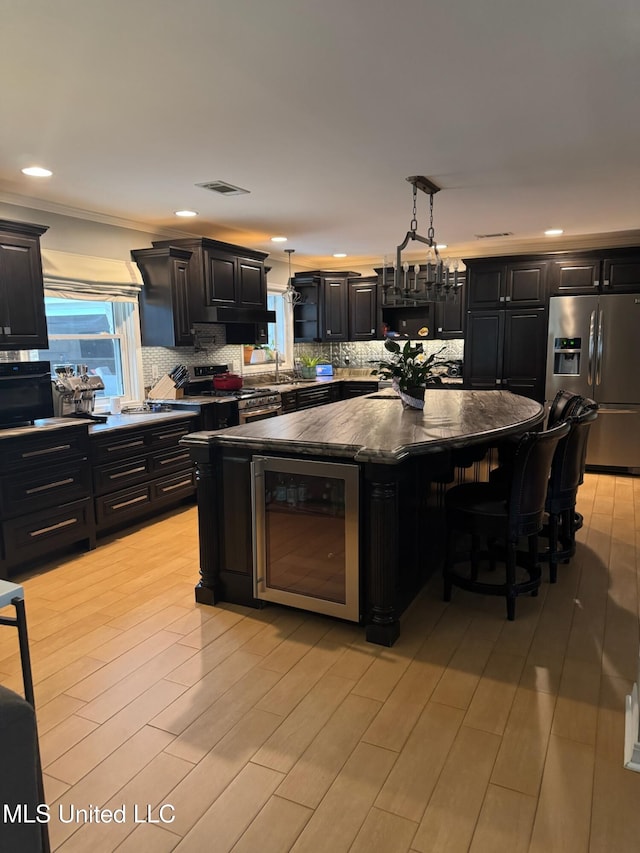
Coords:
pixel 312 360
pixel 409 366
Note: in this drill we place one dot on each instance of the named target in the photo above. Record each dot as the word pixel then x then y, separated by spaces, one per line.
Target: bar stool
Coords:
pixel 487 510
pixel 11 593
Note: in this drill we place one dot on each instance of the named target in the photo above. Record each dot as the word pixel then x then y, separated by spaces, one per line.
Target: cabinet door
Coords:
pixel 306 316
pixel 252 286
pixel 525 346
pixel 450 317
pixel 483 350
pixel 574 275
pixel 526 285
pixel 487 283
pixel 621 274
pixel 23 323
pixel 180 297
pixel 220 278
pixel 362 312
pixel 335 307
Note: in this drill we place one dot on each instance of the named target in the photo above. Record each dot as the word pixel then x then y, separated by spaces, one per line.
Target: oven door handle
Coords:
pixel 253 413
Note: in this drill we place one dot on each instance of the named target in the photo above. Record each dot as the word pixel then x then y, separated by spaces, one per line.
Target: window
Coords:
pixel 103 335
pixel 279 336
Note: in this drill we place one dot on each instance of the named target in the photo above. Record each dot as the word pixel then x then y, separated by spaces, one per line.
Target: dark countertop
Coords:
pixel 375 427
pixel 114 422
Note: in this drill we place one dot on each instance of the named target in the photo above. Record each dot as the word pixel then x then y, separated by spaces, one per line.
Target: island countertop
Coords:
pixel 376 428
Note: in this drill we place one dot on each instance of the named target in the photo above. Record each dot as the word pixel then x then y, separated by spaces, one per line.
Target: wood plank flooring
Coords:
pixel 277 730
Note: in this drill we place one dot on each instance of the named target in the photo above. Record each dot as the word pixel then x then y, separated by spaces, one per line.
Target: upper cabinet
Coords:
pixel 507 283
pixel 323 313
pixel 23 323
pixel 197 280
pixel 595 272
pixel 363 309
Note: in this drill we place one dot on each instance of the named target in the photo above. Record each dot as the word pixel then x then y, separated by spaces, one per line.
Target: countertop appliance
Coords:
pixel 74 391
pixel 594 350
pixel 25 392
pixel 201 379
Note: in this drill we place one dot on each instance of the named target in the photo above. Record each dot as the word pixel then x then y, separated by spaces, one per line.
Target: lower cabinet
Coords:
pixel 358 389
pixel 147 469
pixel 45 495
pixel 506 350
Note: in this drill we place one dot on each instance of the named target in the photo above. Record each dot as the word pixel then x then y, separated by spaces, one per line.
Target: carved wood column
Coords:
pixel 381 519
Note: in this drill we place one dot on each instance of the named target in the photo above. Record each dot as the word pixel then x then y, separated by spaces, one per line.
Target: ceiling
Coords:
pixel 526 115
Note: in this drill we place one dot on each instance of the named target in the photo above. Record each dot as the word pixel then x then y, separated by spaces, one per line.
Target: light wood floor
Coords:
pixel 274 730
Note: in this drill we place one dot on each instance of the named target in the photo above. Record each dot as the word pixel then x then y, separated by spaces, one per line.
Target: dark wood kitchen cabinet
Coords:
pixel 23 323
pixel 450 316
pixel 363 309
pixel 507 283
pixel 602 271
pixel 165 299
pixel 140 470
pixel 506 350
pixel 45 494
pixel 323 311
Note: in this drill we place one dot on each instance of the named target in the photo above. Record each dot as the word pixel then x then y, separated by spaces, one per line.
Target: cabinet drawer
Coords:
pixel 174 487
pixel 49 448
pixel 40 532
pixel 126 443
pixel 313 397
pixel 119 475
pixel 36 488
pixel 171 433
pixel 357 389
pixel 165 461
pixel 111 509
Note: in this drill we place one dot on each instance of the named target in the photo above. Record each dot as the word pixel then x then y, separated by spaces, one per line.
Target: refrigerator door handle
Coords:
pixel 592 331
pixel 600 345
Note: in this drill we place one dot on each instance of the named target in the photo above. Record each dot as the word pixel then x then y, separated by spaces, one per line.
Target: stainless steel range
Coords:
pixel 256 404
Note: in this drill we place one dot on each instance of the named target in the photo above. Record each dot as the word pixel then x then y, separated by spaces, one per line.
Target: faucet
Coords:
pixel 277 358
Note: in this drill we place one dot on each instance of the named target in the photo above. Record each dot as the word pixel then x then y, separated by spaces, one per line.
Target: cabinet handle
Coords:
pixel 365 289
pixel 501 299
pixel 605 283
pixel 163 436
pixel 44 488
pixel 127 473
pixel 596 283
pixel 128 503
pixel 328 331
pixel 177 485
pixel 334 284
pixel 507 299
pixel 373 331
pixel 57 526
pixel 138 443
pixel 7 330
pixel 174 459
pixel 46 450
pixel 498 381
pixel 439 328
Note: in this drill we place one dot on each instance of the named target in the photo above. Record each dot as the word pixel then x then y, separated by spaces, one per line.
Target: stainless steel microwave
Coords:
pixel 25 392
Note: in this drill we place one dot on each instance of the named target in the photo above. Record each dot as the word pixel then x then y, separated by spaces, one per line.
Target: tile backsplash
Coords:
pixel 368 353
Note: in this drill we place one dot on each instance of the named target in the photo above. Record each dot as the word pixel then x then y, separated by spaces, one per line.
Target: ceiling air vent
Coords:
pixel 222 187
pixel 497 234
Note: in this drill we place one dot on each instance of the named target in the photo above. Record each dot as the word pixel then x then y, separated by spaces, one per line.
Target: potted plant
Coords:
pixel 410 371
pixel 308 365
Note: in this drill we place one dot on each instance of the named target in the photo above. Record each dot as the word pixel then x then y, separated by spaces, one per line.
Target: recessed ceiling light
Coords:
pixel 339 254
pixel 441 246
pixel 186 213
pixel 37 172
pixel 278 239
pixel 554 232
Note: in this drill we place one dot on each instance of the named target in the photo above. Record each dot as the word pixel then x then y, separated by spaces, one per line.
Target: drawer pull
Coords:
pixel 174 459
pixel 163 436
pixel 177 485
pixel 130 502
pixel 45 451
pixel 140 469
pixel 44 488
pixel 137 443
pixel 57 526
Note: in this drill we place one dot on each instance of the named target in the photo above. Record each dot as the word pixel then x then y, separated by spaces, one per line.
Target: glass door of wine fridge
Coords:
pixel 305 534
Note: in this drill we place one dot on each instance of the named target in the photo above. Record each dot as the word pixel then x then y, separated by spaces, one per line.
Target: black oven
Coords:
pixel 25 392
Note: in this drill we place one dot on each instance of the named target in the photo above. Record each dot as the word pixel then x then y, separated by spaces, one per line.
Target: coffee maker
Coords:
pixel 74 392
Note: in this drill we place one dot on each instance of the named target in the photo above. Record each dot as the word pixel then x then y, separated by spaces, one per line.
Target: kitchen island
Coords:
pixel 390 456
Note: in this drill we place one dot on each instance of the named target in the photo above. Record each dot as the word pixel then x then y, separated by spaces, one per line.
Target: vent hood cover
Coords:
pixel 220 314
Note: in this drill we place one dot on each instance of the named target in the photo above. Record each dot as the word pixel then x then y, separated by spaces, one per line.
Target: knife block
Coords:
pixel 164 389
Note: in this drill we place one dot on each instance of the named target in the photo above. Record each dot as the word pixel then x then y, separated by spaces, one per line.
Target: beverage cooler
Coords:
pixel 305 535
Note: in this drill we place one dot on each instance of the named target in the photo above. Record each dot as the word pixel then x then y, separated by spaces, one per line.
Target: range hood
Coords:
pixel 220 314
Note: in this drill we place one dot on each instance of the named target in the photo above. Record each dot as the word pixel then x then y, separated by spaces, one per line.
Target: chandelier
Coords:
pixel 290 294
pixel 435 280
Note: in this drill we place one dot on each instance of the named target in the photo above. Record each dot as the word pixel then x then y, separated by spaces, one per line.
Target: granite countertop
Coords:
pixel 138 419
pixel 40 426
pixel 375 427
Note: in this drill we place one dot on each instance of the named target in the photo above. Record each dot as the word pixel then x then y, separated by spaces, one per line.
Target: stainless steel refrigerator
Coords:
pixel 594 350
